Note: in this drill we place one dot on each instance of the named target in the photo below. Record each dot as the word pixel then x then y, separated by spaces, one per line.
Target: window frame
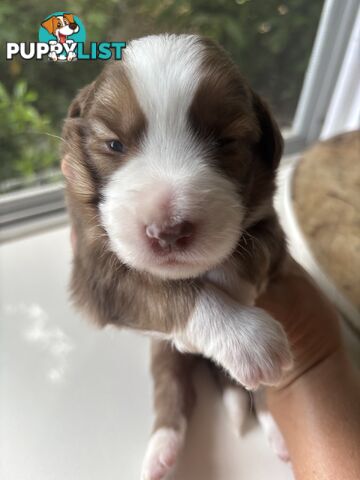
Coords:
pixel 332 38
pixel 30 209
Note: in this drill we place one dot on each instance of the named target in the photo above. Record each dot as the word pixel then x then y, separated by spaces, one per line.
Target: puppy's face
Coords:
pixel 173 153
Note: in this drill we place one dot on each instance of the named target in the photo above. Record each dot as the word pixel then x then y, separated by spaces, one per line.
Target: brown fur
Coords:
pixel 107 289
pixel 250 148
pixel 249 151
pixel 174 394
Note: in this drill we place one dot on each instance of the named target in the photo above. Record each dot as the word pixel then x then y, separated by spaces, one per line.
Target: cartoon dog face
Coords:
pixel 61 26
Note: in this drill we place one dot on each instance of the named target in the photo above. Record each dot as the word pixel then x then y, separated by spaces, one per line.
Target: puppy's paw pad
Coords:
pixel 162 453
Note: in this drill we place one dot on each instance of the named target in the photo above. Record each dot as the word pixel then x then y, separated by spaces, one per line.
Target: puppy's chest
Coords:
pixel 228 279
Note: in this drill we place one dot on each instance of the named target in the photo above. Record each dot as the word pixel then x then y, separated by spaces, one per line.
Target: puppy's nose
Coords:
pixel 73 26
pixel 168 235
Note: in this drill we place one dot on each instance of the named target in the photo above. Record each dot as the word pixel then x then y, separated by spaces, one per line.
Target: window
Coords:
pixel 271 41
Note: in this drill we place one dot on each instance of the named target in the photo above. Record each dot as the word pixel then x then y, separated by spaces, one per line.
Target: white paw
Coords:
pixel 162 453
pixel 273 434
pixel 245 341
pixel 258 355
pixel 278 444
pixel 237 404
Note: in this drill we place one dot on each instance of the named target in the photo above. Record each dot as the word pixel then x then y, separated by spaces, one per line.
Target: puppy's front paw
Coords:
pixel 162 453
pixel 258 354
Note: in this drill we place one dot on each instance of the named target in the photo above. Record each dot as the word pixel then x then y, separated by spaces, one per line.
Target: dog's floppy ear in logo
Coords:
pixel 50 24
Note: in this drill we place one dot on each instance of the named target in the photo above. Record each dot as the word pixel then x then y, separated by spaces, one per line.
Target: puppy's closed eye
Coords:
pixel 227 143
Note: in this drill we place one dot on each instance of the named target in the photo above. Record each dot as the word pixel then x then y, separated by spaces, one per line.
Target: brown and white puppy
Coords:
pixel 170 160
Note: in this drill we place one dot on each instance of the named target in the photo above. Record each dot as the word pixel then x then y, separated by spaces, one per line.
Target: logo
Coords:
pixel 63 31
pixel 62 38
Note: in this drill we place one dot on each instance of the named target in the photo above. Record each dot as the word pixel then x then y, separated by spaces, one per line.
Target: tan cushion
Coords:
pixel 326 193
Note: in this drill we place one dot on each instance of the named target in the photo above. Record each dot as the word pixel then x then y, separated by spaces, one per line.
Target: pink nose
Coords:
pixel 169 235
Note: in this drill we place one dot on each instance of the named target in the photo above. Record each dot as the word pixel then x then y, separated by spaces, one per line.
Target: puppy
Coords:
pixel 170 164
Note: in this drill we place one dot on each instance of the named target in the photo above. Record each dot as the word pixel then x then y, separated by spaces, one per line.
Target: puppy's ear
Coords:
pixel 271 143
pixel 50 24
pixel 82 101
pixel 69 17
pixel 74 157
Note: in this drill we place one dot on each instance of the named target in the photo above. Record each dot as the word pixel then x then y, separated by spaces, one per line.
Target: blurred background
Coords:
pixel 271 41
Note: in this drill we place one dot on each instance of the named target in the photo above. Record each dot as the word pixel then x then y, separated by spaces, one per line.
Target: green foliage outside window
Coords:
pixel 25 146
pixel 270 40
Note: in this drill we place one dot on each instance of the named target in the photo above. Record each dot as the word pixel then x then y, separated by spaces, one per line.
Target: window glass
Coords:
pixel 270 40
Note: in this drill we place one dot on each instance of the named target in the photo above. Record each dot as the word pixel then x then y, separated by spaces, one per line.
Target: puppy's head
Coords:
pixel 170 156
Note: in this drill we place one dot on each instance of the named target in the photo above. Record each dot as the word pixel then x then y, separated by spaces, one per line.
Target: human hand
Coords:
pixel 308 318
pixel 317 403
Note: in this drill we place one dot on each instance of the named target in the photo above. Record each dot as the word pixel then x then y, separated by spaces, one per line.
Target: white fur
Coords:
pixel 165 73
pixel 246 341
pixel 227 278
pixel 162 452
pixel 273 434
pixel 170 180
pixel 237 404
pixel 269 426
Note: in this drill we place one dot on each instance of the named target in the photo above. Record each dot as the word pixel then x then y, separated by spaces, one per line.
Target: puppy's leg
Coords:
pixel 173 400
pixel 237 400
pixel 246 341
pixel 197 316
pixel 270 428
